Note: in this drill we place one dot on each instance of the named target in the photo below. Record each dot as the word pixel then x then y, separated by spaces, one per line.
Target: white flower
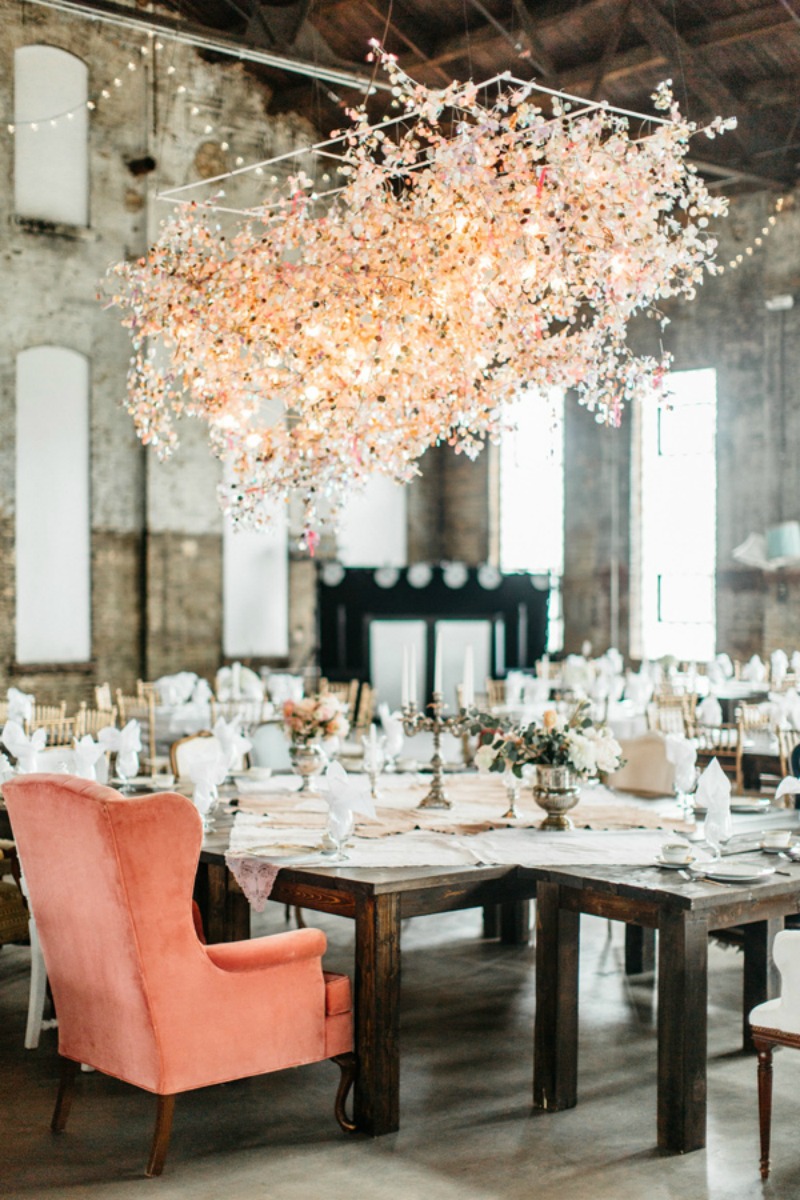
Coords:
pixel 484 757
pixel 608 753
pixel 582 752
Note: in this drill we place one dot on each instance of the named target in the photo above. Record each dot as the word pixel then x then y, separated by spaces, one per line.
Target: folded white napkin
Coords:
pixel 24 749
pixel 176 689
pixel 723 661
pixel 201 692
pixel 683 754
pixel 714 794
pixel 639 688
pixel 709 711
pixel 785 709
pixel 795 662
pixel 790 786
pixel 20 705
pixel 86 754
pixel 126 742
pixel 6 769
pixel 207 774
pixel 234 745
pixel 754 671
pixel 347 794
pixel 393 729
pixel 779 663
pixel 238 683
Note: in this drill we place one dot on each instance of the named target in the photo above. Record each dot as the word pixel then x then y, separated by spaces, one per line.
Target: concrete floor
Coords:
pixel 467 1128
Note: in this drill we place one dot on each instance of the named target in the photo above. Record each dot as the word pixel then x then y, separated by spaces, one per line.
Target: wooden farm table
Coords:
pixel 683 913
pixel 377 900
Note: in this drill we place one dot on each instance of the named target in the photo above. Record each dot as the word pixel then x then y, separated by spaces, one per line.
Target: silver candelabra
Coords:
pixel 415 721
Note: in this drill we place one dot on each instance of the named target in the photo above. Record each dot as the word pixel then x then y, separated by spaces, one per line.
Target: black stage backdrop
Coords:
pixel 516 608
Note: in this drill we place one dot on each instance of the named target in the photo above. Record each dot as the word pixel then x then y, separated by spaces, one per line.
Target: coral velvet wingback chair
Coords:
pixel 137 993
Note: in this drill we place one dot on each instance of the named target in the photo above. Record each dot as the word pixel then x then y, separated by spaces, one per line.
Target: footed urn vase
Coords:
pixel 556 790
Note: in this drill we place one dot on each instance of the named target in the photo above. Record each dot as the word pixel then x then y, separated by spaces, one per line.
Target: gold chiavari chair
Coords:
pixel 787 740
pixel 250 712
pixel 92 720
pixel 723 742
pixel 141 709
pixel 365 709
pixel 60 731
pixel 42 713
pixel 670 714
pixel 345 693
pixel 495 692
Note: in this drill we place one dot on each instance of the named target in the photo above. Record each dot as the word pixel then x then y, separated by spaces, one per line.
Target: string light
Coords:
pixel 772 220
pixel 116 84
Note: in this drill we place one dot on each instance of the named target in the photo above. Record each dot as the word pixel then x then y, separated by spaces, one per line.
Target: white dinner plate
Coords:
pixel 751 806
pixel 739 872
pixel 285 853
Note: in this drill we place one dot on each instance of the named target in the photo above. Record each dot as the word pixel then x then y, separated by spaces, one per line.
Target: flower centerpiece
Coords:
pixel 560 751
pixel 309 723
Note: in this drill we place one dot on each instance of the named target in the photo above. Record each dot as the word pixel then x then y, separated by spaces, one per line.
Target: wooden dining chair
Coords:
pixel 345 693
pixel 787 740
pixel 44 713
pixel 670 713
pixel 723 742
pixel 495 692
pixel 92 720
pixel 364 710
pixel 139 996
pixel 776 1023
pixel 60 730
pixel 141 708
pixel 249 712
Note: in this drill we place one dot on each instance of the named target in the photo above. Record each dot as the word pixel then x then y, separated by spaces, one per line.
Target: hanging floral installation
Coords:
pixel 478 244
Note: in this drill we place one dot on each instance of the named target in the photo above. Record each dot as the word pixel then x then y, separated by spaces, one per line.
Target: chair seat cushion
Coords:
pixel 337 993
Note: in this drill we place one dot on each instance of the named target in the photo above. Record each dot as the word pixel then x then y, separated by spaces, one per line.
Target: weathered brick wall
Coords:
pixel 156 529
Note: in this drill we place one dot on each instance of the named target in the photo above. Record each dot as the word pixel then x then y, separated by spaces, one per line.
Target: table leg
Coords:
pixel 377 1013
pixel 640 950
pixel 682 1031
pixel 515 922
pixel 491 920
pixel 224 909
pixel 760 981
pixel 555 1042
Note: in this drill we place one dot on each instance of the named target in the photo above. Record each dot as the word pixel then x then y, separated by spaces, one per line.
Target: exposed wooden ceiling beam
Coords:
pixel 610 49
pixel 764 21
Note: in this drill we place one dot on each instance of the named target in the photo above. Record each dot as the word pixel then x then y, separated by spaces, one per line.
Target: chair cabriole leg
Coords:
pixel 764 1101
pixel 66 1090
pixel 348 1065
pixel 158 1151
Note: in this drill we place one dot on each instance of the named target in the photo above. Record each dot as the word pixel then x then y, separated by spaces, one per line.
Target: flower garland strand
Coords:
pixel 488 246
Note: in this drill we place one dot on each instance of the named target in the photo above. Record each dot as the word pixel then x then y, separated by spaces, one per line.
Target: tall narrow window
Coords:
pixel 532 497
pixel 372 530
pixel 53 551
pixel 678 518
pixel 255 590
pixel 51 159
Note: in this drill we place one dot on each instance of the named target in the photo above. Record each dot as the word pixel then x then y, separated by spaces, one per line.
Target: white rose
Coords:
pixel 484 757
pixel 608 753
pixel 581 752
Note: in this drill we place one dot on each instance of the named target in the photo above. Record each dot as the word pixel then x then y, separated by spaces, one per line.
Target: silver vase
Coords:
pixel 556 790
pixel 308 761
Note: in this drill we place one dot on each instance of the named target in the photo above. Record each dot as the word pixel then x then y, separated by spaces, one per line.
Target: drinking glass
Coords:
pixel 340 826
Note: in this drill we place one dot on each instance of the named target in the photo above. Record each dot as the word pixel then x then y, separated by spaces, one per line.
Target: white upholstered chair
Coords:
pixel 776 1023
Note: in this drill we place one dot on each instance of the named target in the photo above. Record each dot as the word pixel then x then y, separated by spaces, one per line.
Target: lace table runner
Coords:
pixel 286 829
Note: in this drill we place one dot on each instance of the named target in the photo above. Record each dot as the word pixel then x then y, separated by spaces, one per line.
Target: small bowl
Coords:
pixel 677 852
pixel 778 839
pixel 259 773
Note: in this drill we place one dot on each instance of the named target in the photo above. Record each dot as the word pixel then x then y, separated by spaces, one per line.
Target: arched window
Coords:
pixel 53 548
pixel 51 153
